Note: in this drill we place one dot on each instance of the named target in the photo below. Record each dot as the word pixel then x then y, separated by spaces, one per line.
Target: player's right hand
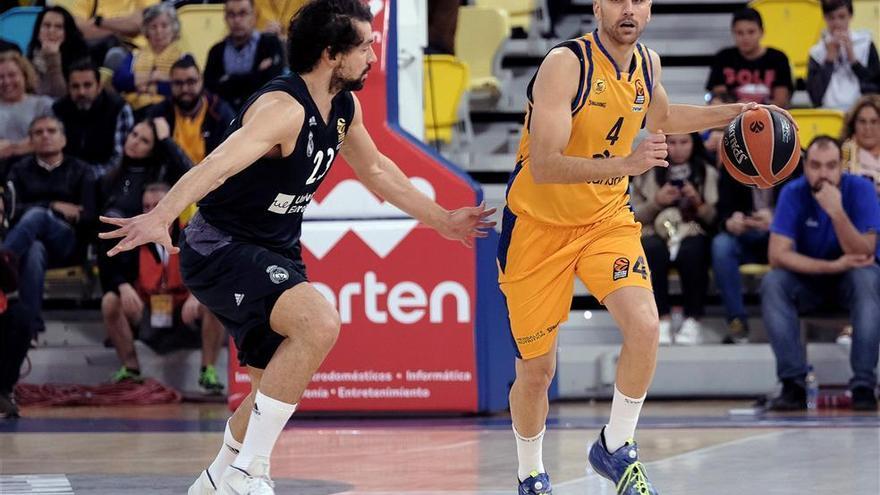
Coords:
pixel 135 231
pixel 650 153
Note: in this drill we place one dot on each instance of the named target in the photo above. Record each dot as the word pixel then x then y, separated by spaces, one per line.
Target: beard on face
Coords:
pixel 341 83
pixel 83 104
pixel 186 104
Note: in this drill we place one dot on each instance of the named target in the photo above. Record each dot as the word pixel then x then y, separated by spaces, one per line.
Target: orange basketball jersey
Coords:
pixel 606 115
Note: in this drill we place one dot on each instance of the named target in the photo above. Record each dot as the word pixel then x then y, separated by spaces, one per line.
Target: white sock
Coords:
pixel 267 420
pixel 228 451
pixel 529 453
pixel 624 417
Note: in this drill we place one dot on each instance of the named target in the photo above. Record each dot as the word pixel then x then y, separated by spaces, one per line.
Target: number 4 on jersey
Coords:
pixel 614 133
pixel 641 268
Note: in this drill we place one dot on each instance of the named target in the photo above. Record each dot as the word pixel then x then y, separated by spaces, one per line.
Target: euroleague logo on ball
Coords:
pixel 756 126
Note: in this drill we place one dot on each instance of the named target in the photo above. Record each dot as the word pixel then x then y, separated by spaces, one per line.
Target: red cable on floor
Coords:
pixel 108 394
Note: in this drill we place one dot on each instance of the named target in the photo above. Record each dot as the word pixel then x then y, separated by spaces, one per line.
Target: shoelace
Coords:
pixel 635 475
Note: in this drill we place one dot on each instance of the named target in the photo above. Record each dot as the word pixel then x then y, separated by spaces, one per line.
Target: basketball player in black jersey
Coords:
pixel 240 255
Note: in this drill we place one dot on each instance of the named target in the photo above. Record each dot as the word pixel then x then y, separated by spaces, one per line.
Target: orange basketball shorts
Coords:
pixel 537 264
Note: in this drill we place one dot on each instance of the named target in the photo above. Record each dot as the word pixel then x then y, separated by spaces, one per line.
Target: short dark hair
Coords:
pixel 320 25
pixel 829 6
pixel 85 65
pixel 185 62
pixel 40 118
pixel 747 14
pixel 824 141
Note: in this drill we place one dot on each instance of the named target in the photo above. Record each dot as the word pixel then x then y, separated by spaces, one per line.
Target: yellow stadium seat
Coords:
pixel 866 15
pixel 201 27
pixel 754 269
pixel 521 12
pixel 814 121
pixel 445 83
pixel 481 32
pixel 791 26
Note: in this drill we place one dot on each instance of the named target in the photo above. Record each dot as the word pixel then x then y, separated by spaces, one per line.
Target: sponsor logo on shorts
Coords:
pixel 621 269
pixel 277 274
pixel 238 299
pixel 540 334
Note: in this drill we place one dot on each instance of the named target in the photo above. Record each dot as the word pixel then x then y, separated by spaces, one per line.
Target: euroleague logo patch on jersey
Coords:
pixel 640 93
pixel 310 146
pixel 277 274
pixel 599 87
pixel 621 269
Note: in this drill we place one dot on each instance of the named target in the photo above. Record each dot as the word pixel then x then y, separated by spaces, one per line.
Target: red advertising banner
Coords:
pixel 405 295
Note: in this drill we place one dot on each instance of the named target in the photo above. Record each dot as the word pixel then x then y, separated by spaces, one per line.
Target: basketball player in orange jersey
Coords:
pixel 568 214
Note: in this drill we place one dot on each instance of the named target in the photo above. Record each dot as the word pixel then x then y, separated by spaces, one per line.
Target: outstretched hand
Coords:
pixel 465 224
pixel 135 231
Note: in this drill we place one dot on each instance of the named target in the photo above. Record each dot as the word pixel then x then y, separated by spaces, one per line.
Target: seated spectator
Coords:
pixel 96 121
pixel 843 64
pixel 108 24
pixel 861 135
pixel 749 71
pixel 143 76
pixel 18 106
pixel 676 207
pixel 55 45
pixel 274 17
pixel 55 205
pixel 744 216
pixel 149 156
pixel 198 119
pixel 149 300
pixel 823 249
pixel 245 60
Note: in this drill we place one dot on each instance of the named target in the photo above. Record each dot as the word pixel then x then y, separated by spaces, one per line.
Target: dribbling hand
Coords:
pixel 466 224
pixel 138 230
pixel 650 153
pixel 773 108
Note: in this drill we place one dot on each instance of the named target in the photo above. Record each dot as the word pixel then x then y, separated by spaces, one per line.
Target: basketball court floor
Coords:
pixel 704 448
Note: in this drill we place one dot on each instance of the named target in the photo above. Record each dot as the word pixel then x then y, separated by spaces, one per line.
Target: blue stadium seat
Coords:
pixel 17 25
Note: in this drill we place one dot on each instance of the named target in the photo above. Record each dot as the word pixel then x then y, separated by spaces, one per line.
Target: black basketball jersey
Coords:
pixel 264 203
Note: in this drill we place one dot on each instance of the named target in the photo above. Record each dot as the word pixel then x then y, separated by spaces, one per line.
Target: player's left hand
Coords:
pixel 465 224
pixel 135 231
pixel 773 108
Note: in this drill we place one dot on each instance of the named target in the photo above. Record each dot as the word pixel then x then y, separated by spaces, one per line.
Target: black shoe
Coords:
pixel 737 331
pixel 792 398
pixel 864 399
pixel 8 409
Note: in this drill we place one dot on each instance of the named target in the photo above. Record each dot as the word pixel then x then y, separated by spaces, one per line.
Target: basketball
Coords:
pixel 760 148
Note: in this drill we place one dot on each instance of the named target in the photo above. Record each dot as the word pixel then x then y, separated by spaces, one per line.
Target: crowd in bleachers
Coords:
pixel 105 108
pixel 101 112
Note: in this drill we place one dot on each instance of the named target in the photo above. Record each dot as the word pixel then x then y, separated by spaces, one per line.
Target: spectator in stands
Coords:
pixel 749 71
pixel 143 77
pixel 96 121
pixel 55 45
pixel 861 135
pixel 55 196
pixel 744 216
pixel 245 60
pixel 823 249
pixel 149 156
pixel 108 24
pixel 274 16
pixel 18 105
pixel 150 300
pixel 198 119
pixel 843 64
pixel 676 207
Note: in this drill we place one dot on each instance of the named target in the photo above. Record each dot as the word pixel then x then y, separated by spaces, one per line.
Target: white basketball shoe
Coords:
pixel 203 485
pixel 254 480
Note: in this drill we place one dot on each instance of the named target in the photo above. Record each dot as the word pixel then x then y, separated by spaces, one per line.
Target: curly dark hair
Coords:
pixel 73 48
pixel 320 25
